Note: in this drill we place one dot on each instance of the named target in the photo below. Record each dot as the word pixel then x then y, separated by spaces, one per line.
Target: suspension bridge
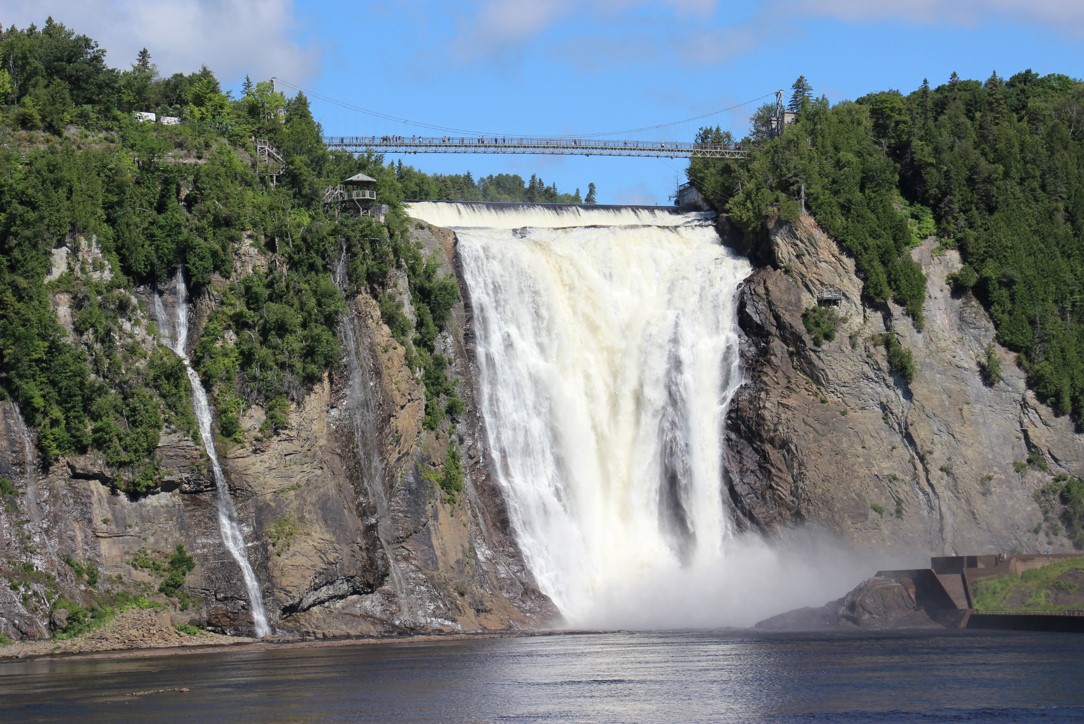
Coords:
pixel 460 141
pixel 563 146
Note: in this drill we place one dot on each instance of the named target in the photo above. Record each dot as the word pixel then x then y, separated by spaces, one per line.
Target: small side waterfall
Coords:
pixel 43 543
pixel 227 514
pixel 363 422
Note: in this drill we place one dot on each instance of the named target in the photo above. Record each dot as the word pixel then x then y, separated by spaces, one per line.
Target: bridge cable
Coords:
pixel 419 124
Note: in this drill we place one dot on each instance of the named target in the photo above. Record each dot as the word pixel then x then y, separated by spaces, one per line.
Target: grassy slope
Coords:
pixel 1057 587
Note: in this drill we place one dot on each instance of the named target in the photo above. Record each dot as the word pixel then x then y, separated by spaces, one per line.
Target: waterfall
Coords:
pixel 227 514
pixel 607 351
pixel 364 423
pixel 42 542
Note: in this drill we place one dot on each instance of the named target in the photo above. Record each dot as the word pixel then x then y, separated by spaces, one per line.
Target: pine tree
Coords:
pixel 590 198
pixel 143 62
pixel 803 92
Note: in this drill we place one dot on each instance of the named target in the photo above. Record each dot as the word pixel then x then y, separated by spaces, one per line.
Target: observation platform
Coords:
pixel 538 146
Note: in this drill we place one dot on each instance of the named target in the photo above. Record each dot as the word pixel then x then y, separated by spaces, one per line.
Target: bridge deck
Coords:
pixel 544 146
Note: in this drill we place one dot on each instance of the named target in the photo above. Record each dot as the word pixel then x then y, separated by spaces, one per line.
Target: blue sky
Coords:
pixel 563 67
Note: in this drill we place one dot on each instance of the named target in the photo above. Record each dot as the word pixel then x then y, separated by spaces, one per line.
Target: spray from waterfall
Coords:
pixel 607 351
pixel 227 514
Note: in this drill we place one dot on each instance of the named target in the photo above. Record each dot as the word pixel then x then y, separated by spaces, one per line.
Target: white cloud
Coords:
pixel 233 37
pixel 1065 16
pixel 699 8
pixel 506 29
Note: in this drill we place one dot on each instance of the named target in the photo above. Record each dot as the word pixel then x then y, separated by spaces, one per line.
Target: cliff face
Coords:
pixel 830 435
pixel 345 526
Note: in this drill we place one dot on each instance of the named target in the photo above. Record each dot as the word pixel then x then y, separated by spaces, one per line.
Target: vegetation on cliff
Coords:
pixel 1062 503
pixel 996 168
pixel 126 204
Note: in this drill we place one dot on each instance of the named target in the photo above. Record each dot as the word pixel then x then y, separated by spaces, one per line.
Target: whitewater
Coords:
pixel 232 536
pixel 607 350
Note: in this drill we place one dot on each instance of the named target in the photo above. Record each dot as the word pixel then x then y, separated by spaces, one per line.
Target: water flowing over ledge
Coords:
pixel 537 216
pixel 607 350
pixel 227 515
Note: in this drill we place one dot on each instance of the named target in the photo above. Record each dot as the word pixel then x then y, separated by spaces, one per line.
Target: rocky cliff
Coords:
pixel 829 434
pixel 350 533
pixel 344 521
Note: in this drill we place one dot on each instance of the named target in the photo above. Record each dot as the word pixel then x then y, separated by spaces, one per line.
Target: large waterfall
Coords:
pixel 607 351
pixel 227 514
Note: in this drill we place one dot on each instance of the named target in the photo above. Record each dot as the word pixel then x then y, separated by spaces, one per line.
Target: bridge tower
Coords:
pixel 780 116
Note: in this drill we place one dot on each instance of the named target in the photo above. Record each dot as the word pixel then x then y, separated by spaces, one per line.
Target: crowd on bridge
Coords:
pixel 514 141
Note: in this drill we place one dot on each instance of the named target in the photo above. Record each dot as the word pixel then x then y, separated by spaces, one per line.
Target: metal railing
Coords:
pixel 543 146
pixel 1029 612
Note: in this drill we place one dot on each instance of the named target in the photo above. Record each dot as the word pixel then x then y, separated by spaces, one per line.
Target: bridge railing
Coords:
pixel 554 146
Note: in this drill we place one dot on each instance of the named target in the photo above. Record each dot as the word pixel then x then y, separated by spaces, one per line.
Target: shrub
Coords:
pixel 964 279
pixel 84 571
pixel 451 481
pixel 990 367
pixel 180 564
pixel 282 533
pixel 821 323
pixel 1062 501
pixel 900 359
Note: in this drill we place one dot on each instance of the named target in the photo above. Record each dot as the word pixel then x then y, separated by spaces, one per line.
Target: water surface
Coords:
pixel 649 677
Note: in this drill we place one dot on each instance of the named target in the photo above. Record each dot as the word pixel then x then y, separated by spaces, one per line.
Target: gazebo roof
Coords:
pixel 360 178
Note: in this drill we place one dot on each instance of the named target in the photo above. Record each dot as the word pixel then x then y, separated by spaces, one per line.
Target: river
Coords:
pixel 729 675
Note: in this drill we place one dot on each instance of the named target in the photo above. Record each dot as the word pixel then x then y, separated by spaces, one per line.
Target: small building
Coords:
pixel 829 297
pixel 360 188
pixel 145 117
pixel 357 192
pixel 689 198
pixel 169 120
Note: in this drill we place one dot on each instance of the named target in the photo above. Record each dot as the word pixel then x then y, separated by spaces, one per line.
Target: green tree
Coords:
pixel 801 93
pixel 206 101
pixel 136 87
pixel 591 198
pixel 6 86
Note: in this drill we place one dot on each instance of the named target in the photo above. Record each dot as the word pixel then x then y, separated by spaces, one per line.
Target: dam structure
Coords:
pixel 606 348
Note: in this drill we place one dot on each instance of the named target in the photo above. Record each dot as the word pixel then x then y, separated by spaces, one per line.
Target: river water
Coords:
pixel 734 675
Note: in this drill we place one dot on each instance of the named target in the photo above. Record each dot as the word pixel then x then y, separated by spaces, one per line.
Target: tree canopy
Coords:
pixel 129 203
pixel 994 167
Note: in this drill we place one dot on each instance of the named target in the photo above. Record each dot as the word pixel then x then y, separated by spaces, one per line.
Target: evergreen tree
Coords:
pixel 995 168
pixel 143 62
pixel 801 94
pixel 591 197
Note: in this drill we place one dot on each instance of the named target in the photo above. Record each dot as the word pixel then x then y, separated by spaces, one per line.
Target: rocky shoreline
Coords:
pixel 140 633
pixel 130 630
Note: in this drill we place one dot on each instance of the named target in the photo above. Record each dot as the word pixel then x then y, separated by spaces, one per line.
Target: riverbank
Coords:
pixel 133 629
pixel 139 633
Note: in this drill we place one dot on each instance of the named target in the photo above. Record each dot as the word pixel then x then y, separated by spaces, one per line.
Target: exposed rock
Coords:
pixel 875 604
pixel 344 524
pixel 59 619
pixel 247 258
pixel 830 435
pixel 130 629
